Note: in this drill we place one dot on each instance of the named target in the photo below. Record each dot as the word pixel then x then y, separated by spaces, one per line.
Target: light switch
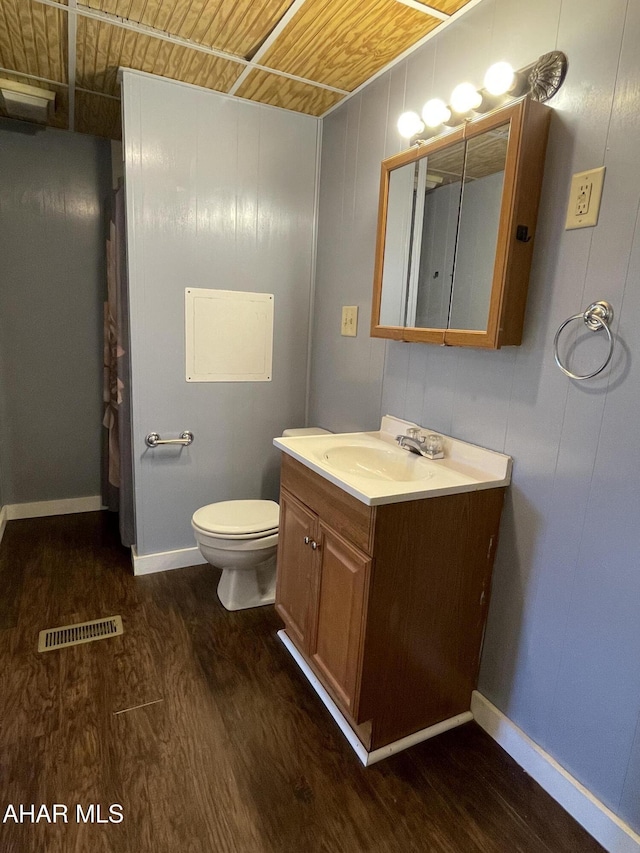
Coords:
pixel 584 198
pixel 349 327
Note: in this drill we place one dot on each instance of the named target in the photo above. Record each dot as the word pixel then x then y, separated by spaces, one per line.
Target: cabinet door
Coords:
pixel 295 586
pixel 336 647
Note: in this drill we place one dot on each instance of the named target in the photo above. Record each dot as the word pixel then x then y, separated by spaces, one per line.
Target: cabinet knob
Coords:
pixel 307 539
pixel 314 545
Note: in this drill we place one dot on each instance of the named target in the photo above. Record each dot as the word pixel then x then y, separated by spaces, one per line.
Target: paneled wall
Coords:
pixel 220 196
pixel 53 189
pixel 563 639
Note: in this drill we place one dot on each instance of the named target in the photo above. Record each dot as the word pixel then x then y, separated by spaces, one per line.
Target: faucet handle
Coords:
pixel 415 434
pixel 434 446
pixel 434 443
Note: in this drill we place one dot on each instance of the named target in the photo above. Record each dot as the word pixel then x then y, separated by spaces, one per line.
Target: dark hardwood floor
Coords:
pixel 236 753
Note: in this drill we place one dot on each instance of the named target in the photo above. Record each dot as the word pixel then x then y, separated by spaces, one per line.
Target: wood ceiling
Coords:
pixel 304 55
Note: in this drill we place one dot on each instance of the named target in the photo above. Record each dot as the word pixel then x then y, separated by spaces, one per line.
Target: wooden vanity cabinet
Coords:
pixel 389 607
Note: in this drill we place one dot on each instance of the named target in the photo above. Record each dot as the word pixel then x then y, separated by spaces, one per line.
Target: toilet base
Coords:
pixel 240 589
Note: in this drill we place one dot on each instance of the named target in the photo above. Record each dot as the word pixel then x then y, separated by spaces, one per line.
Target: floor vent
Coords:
pixel 84 632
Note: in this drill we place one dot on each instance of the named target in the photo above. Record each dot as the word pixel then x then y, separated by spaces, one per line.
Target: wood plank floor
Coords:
pixel 236 753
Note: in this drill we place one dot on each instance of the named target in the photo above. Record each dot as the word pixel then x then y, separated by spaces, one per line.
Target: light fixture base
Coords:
pixel 547 75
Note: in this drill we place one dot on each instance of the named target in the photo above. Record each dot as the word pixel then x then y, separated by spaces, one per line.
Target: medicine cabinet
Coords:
pixel 456 221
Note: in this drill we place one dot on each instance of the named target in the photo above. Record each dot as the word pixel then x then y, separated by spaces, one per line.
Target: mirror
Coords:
pixel 436 227
pixel 422 222
pixel 446 210
pixel 479 221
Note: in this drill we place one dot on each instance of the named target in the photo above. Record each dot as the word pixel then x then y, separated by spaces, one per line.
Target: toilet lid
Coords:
pixel 238 518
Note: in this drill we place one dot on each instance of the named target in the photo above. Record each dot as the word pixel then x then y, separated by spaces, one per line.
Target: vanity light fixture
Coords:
pixel 540 79
pixel 499 79
pixel 464 98
pixel 409 125
pixel 435 112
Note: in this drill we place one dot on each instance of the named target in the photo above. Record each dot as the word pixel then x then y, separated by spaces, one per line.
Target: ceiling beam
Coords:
pixel 72 32
pixel 33 77
pixel 423 7
pixel 113 20
pixel 56 83
pixel 264 47
pixel 434 32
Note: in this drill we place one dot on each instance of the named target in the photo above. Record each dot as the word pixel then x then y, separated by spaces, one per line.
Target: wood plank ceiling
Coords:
pixel 304 55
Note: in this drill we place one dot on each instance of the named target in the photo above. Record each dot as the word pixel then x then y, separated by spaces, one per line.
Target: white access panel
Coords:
pixel 229 335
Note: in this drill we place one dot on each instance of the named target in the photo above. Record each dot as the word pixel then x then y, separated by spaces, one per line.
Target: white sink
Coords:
pixel 385 463
pixel 371 467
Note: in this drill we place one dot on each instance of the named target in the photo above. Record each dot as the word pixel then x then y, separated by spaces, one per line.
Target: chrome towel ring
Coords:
pixel 597 316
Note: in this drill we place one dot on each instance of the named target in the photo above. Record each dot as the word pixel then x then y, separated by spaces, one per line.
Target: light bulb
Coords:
pixel 435 112
pixel 409 125
pixel 465 97
pixel 499 78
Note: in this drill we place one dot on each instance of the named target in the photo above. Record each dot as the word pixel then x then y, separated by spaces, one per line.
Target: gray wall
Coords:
pixel 52 190
pixel 563 640
pixel 221 196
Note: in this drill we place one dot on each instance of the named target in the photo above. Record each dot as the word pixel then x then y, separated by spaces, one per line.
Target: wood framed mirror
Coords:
pixel 456 221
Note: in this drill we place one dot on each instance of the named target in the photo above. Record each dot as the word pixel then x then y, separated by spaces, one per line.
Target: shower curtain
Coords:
pixel 117 460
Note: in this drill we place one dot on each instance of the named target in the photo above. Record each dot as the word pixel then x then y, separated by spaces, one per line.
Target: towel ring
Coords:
pixel 597 316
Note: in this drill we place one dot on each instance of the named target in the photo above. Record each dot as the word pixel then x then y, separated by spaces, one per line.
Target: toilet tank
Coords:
pixel 290 433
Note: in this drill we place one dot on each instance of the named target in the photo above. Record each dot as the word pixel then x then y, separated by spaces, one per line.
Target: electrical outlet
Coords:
pixel 584 198
pixel 349 326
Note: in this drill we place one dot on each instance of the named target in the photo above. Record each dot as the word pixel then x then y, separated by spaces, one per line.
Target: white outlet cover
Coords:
pixel 593 178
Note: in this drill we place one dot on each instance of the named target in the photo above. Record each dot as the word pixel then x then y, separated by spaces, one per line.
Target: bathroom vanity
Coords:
pixel 384 571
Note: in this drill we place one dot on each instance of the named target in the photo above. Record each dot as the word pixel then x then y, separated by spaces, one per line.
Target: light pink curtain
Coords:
pixel 112 385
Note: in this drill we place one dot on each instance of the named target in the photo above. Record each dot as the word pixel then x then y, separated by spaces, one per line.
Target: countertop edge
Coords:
pixel 389 499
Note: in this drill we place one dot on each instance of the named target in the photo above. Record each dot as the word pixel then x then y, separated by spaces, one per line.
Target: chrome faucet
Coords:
pixel 413 445
pixel 428 446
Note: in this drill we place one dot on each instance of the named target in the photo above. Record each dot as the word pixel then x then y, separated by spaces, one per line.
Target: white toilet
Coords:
pixel 241 538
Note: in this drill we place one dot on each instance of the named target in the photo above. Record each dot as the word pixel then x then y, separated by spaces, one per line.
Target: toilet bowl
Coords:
pixel 241 538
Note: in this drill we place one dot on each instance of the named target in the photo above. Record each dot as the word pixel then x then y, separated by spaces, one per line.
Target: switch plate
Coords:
pixel 584 198
pixel 349 326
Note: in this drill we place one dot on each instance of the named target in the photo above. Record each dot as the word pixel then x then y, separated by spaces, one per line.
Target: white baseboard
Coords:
pixel 3 521
pixel 162 561
pixel 39 509
pixel 599 821
pixel 366 757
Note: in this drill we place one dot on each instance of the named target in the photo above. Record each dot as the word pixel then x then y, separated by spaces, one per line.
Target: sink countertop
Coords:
pixel 465 468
